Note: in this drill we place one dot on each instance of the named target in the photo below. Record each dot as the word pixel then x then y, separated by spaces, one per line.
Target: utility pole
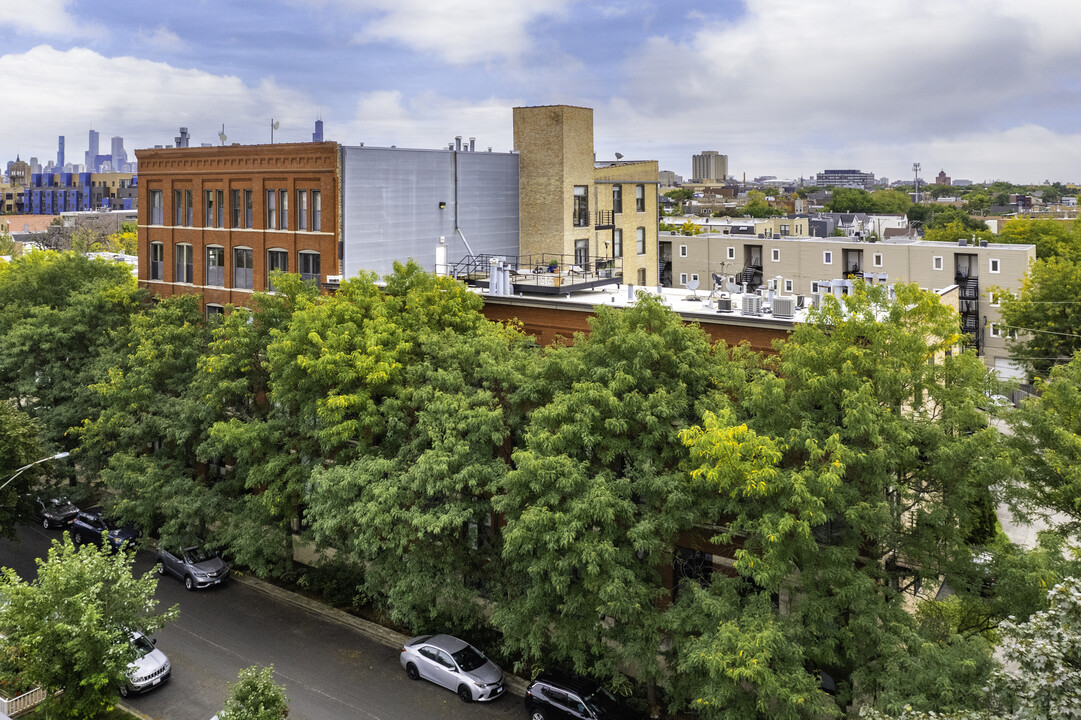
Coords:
pixel 916 170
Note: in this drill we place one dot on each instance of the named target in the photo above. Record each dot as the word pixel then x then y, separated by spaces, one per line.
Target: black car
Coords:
pixel 89 525
pixel 556 695
pixel 53 512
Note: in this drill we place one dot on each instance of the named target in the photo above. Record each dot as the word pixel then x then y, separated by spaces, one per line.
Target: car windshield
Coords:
pixel 469 658
pixel 603 701
pixel 197 555
pixel 59 502
pixel 142 646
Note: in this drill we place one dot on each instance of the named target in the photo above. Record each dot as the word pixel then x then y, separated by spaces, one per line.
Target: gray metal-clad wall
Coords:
pixel 390 206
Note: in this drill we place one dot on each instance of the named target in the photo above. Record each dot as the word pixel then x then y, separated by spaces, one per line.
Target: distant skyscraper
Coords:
pixel 60 154
pixel 710 166
pixel 92 152
pixel 120 156
pixel 317 136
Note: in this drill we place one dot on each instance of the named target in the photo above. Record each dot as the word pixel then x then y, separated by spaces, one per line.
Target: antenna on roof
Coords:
pixel 221 135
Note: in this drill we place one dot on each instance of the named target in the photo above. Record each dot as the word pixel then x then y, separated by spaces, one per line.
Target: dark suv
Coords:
pixel 556 695
pixel 89 525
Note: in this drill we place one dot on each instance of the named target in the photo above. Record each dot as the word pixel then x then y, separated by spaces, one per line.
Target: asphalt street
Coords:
pixel 330 670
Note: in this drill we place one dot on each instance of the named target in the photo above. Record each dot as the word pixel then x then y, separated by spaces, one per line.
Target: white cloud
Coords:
pixel 42 17
pixel 459 31
pixel 429 121
pixel 71 91
pixel 161 38
pixel 792 80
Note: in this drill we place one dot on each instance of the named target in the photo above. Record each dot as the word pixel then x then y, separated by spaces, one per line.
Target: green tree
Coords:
pixel 1047 437
pixel 413 388
pixel 955 231
pixel 890 202
pixel 690 228
pixel 680 195
pixel 18 447
pixel 848 478
pixel 947 215
pixel 850 200
pixel 598 493
pixel 87 240
pixel 62 311
pixel 70 628
pixel 977 204
pixel 255 696
pixel 1052 238
pixel 150 422
pixel 919 215
pixel 8 246
pixel 1045 315
pixel 125 240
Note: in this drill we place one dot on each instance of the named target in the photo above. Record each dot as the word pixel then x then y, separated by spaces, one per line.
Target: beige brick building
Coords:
pixel 803 266
pixel 571 206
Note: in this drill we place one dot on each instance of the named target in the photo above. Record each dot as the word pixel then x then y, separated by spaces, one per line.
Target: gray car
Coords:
pixel 198 567
pixel 454 664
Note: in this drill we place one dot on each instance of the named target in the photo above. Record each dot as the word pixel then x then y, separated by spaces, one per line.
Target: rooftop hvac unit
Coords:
pixel 752 305
pixel 816 300
pixel 784 307
pixel 724 304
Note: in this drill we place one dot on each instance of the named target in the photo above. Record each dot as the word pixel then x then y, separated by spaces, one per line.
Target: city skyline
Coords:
pixel 982 90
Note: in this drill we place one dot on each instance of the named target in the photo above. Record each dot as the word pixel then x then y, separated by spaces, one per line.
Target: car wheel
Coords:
pixel 45 523
pixel 123 691
pixel 411 672
pixel 78 538
pixel 464 693
pixel 189 583
pixel 537 714
pixel 160 567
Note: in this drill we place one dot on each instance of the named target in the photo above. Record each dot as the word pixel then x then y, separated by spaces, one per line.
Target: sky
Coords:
pixel 983 89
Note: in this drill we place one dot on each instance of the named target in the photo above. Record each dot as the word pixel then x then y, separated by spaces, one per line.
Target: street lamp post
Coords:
pixel 27 467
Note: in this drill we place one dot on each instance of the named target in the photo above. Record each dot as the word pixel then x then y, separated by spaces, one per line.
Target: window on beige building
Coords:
pixel 775 255
pixel 580 210
pixel 876 260
pixel 827 257
pixel 731 253
pixel 936 262
pixel 993 265
pixel 683 251
pixel 617 198
pixel 617 243
pixel 640 198
pixel 640 240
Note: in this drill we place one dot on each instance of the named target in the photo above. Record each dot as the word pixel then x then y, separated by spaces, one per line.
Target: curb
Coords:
pixel 133 712
pixel 373 631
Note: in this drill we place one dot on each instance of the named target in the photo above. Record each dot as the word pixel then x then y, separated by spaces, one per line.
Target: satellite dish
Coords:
pixel 619 156
pixel 221 135
pixel 277 124
pixel 691 285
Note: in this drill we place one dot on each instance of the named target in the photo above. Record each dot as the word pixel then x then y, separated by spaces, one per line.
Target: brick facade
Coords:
pixel 302 176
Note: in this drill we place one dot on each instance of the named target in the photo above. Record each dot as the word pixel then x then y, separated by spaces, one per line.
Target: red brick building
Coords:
pixel 217 220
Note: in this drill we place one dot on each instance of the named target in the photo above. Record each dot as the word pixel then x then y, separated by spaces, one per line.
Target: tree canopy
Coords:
pixel 255 696
pixel 70 628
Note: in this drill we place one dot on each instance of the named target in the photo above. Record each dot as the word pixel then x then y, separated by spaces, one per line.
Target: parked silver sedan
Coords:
pixel 454 664
pixel 197 567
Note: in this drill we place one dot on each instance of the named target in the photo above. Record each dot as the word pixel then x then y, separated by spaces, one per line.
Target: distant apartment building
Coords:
pixel 709 166
pixel 669 179
pixel 57 192
pixel 804 266
pixel 845 178
pixel 590 212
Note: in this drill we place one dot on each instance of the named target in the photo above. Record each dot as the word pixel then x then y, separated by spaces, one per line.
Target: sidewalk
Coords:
pixel 378 633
